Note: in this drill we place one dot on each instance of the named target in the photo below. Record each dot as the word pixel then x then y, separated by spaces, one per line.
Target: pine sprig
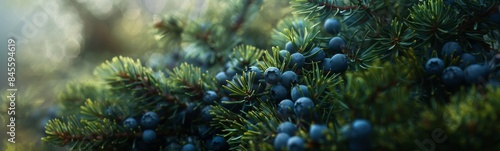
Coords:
pixel 76 94
pixel 124 74
pixel 86 135
pixel 433 21
pixel 245 56
pixel 186 80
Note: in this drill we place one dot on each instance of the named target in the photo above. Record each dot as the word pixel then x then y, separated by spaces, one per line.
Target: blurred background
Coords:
pixel 61 41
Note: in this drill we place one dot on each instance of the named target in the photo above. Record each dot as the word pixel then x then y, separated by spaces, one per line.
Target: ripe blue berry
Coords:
pixel 230 72
pixel 284 54
pixel 149 120
pixel 290 47
pixel 298 60
pixel 130 123
pixel 339 63
pixel 452 49
pixel 188 147
pixel 288 78
pixel 327 65
pixel 300 91
pixel 434 66
pixel 280 141
pixel 285 108
pixel 148 136
pixel 219 144
pixel 476 73
pixel 336 44
pixel 332 26
pixel 452 76
pixel 272 75
pixel 205 114
pixel 295 143
pixel 317 132
pixel 278 92
pixel 257 72
pixel 287 127
pixel 316 54
pixel 221 78
pixel 360 129
pixel 210 97
pixel 467 59
pixel 303 107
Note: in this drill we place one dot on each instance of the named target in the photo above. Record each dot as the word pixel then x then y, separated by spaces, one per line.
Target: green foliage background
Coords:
pixel 388 43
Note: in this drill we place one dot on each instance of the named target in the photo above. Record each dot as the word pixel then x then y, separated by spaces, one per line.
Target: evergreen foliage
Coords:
pixel 387 44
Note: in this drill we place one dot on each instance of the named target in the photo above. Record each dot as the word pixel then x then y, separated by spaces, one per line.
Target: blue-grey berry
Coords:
pixel 452 76
pixel 278 92
pixel 317 132
pixel 332 26
pixel 210 97
pixel 287 127
pixel 295 143
pixel 339 63
pixel 130 123
pixel 434 66
pixel 336 44
pixel 289 78
pixel 221 78
pixel 299 91
pixel 297 60
pixel 272 75
pixel 148 136
pixel 303 107
pixel 280 141
pixel 149 120
pixel 285 108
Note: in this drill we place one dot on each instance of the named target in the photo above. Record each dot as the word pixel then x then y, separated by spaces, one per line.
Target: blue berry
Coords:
pixel 317 54
pixel 280 141
pixel 221 78
pixel 284 54
pixel 339 63
pixel 219 144
pixel 452 49
pixel 303 107
pixel 285 108
pixel 278 92
pixel 205 114
pixel 452 76
pixel 295 143
pixel 148 136
pixel 467 59
pixel 149 120
pixel 272 75
pixel 257 72
pixel 332 26
pixel 360 129
pixel 476 73
pixel 288 78
pixel 287 127
pixel 290 47
pixel 336 44
pixel 188 147
pixel 434 66
pixel 317 132
pixel 130 123
pixel 210 97
pixel 327 65
pixel 298 60
pixel 300 91
pixel 230 72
